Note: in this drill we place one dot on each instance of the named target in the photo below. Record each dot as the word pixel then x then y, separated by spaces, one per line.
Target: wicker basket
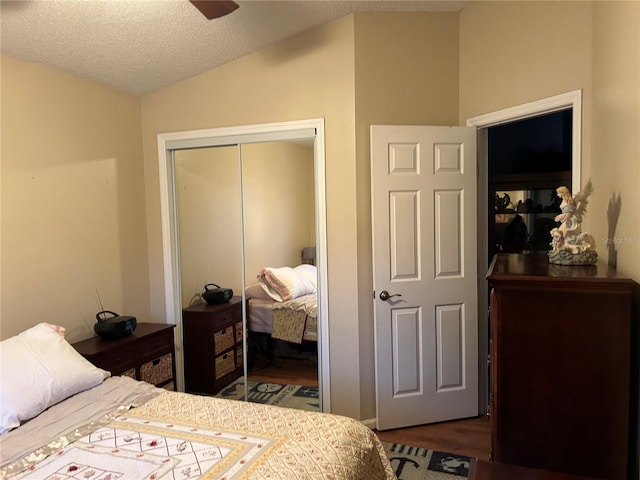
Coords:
pixel 158 370
pixel 131 373
pixel 225 364
pixel 169 386
pixel 223 339
pixel 239 357
pixel 239 332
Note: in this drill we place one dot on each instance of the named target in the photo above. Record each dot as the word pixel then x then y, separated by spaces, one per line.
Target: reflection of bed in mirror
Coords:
pixel 283 306
pixel 291 321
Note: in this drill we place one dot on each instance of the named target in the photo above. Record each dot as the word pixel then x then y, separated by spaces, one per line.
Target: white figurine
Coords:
pixel 569 245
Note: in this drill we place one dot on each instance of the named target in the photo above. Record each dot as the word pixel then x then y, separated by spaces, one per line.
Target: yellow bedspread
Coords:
pixel 178 435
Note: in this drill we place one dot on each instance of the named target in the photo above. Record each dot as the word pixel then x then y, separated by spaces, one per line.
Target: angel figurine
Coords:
pixel 569 245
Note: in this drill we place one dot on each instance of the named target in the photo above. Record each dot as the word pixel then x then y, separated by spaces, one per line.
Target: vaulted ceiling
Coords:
pixel 139 46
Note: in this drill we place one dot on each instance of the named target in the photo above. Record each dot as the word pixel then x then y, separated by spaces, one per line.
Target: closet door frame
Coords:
pixel 229 136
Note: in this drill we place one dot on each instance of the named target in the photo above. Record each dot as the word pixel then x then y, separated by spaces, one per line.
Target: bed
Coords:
pixel 63 418
pixel 284 303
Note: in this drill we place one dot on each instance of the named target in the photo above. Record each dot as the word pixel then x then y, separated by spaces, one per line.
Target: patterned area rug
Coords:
pixel 290 396
pixel 413 463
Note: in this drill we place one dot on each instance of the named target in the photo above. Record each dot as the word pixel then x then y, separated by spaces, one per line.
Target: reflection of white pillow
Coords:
pixel 39 368
pixel 309 273
pixel 283 283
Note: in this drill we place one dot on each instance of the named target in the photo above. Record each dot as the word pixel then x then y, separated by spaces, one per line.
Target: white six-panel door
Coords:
pixel 424 251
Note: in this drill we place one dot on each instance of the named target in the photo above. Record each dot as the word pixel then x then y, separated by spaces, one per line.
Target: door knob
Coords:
pixel 384 295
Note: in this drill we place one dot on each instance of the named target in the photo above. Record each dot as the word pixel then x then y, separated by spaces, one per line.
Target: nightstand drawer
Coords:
pixel 117 361
pixel 156 346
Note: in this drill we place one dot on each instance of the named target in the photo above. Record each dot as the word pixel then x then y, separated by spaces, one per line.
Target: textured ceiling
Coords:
pixel 139 46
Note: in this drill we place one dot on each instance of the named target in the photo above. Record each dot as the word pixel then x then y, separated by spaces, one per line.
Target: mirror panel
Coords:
pixel 279 222
pixel 209 239
pixel 209 220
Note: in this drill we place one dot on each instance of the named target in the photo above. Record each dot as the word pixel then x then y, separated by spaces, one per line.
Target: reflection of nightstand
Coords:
pixel 212 339
pixel 147 354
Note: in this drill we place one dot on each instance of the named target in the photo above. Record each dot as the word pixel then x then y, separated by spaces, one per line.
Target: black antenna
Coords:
pixel 99 302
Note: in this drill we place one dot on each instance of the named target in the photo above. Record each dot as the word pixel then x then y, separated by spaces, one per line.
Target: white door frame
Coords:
pixel 556 103
pixel 167 142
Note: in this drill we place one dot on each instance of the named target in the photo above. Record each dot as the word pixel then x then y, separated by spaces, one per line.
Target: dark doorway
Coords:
pixel 527 160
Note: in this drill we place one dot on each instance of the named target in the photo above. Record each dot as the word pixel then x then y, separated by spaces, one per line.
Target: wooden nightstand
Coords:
pixel 148 354
pixel 212 339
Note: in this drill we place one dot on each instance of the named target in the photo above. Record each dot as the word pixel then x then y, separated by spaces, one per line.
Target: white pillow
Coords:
pixel 39 368
pixel 283 283
pixel 309 273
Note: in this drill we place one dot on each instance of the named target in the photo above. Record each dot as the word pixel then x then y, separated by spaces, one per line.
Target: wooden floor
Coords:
pixel 470 437
pixel 300 371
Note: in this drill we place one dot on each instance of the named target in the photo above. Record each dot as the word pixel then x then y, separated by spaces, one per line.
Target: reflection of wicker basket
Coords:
pixel 158 370
pixel 223 339
pixel 239 332
pixel 225 363
pixel 239 358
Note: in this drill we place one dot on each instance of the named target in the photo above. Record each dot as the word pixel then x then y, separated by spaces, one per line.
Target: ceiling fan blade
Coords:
pixel 215 8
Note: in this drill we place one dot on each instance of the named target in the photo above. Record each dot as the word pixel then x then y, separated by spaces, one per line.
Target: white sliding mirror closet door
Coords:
pixel 245 218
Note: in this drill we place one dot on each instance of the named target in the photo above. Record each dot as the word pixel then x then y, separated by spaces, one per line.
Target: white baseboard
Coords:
pixel 370 423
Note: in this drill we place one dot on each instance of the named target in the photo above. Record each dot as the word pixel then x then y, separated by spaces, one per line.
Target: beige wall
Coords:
pixel 615 139
pixel 516 52
pixel 276 203
pixel 279 204
pixel 73 203
pixel 309 76
pixel 406 68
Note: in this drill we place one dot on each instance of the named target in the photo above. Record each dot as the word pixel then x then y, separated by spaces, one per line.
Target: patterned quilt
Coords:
pixel 291 318
pixel 182 436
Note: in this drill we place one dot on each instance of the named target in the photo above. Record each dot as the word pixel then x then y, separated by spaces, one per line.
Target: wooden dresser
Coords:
pixel 147 354
pixel 212 338
pixel 483 470
pixel 560 366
